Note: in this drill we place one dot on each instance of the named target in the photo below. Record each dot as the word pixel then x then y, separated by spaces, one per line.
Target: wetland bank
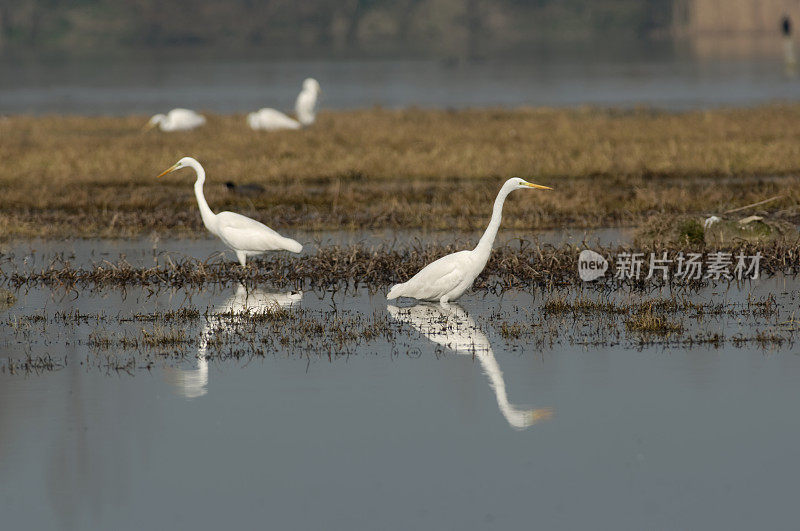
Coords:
pixel 399 169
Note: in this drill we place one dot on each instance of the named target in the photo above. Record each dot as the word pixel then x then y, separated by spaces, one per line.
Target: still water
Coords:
pixel 434 420
pixel 155 84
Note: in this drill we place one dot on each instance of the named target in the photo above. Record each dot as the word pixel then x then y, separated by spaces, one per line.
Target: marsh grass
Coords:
pixel 689 230
pixel 95 177
pixel 343 267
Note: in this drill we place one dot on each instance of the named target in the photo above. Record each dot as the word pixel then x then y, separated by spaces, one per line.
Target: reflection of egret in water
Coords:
pixel 192 383
pixel 450 326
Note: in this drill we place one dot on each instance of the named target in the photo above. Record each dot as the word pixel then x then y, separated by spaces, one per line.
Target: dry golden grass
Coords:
pixel 80 176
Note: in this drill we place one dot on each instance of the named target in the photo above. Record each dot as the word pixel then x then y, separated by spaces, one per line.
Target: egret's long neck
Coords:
pixel 305 108
pixel 484 247
pixel 209 218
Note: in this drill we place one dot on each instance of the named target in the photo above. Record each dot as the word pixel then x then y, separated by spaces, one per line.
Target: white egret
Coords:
pixel 710 221
pixel 449 325
pixel 305 107
pixel 247 237
pixel 193 383
pixel 176 120
pixel 449 277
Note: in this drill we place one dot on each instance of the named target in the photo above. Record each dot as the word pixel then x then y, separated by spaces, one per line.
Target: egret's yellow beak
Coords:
pixel 538 186
pixel 148 126
pixel 176 166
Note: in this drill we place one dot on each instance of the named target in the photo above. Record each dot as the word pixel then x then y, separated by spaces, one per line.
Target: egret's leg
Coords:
pixel 242 257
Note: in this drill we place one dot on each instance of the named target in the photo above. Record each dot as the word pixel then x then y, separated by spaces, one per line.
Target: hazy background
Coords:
pixel 101 56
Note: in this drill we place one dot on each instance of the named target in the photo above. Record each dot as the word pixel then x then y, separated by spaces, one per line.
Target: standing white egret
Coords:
pixel 247 237
pixel 305 107
pixel 177 120
pixel 449 277
pixel 449 325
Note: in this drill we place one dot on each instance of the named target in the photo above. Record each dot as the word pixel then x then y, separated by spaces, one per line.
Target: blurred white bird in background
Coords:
pixel 305 107
pixel 449 325
pixel 247 237
pixel 449 277
pixel 176 120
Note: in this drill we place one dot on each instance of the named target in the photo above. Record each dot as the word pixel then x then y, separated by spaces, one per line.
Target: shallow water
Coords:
pixel 149 85
pixel 392 417
pixel 39 253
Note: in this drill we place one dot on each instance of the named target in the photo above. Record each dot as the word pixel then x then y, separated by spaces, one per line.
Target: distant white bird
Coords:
pixel 449 277
pixel 449 325
pixel 305 107
pixel 247 237
pixel 176 120
pixel 710 221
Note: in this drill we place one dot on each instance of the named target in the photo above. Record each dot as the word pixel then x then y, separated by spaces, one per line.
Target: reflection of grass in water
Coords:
pixel 563 317
pixel 7 299
pixel 652 323
pixel 582 305
pixel 79 176
pixel 164 337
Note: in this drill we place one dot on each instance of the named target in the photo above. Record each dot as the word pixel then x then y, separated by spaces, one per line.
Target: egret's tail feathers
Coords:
pixel 293 246
pixel 394 292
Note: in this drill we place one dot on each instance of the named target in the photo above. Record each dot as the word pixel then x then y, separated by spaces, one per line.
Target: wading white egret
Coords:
pixel 247 237
pixel 449 325
pixel 449 277
pixel 305 107
pixel 176 120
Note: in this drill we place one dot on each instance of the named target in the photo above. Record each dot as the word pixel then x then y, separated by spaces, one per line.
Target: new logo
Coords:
pixel 591 265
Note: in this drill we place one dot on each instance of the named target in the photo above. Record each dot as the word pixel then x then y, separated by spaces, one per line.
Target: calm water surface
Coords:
pixel 668 81
pixel 436 427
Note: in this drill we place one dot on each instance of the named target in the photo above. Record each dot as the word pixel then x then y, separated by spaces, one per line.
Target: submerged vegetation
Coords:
pixel 421 169
pixel 7 299
pixel 168 327
pixel 128 341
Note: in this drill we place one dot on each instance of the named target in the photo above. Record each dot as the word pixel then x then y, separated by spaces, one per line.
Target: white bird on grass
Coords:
pixel 450 326
pixel 449 277
pixel 247 237
pixel 305 107
pixel 176 120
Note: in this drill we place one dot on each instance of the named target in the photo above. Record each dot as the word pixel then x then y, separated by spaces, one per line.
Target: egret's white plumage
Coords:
pixel 305 107
pixel 449 277
pixel 247 237
pixel 177 120
pixel 450 326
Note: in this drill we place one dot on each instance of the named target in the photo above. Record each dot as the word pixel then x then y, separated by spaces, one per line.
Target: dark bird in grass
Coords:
pixel 250 189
